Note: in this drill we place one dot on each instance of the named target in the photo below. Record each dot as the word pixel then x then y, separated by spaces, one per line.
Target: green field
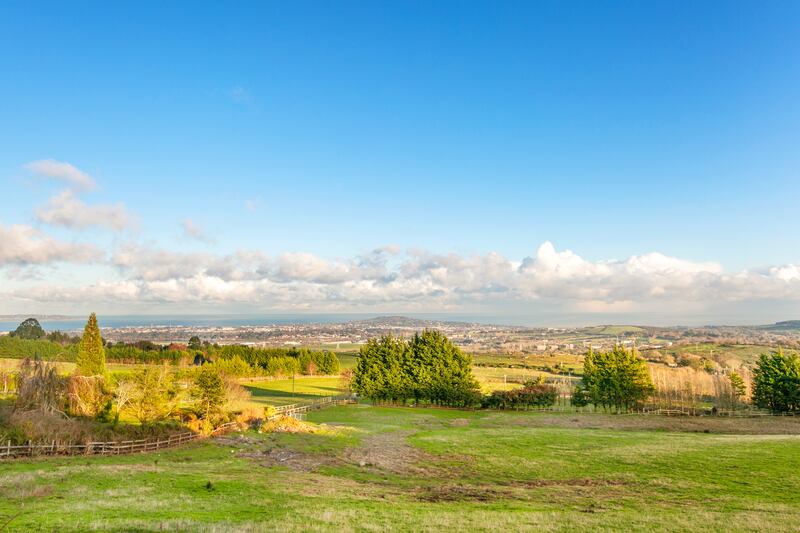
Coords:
pixel 425 469
pixel 288 391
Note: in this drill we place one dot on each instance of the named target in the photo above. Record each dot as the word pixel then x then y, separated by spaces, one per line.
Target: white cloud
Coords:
pixel 23 245
pixel 192 231
pixel 67 210
pixel 387 278
pixel 64 172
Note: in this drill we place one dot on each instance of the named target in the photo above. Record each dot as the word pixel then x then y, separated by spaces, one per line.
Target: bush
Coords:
pixel 154 395
pixel 88 396
pixel 532 394
pixel 39 388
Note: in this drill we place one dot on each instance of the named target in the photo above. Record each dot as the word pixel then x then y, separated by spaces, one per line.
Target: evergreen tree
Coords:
pixel 618 379
pixel 428 368
pixel 776 382
pixel 91 360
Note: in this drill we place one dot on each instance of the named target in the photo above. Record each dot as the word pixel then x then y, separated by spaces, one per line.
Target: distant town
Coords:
pixel 472 337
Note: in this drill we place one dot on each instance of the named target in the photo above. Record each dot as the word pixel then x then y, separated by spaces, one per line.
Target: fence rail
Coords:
pixel 106 448
pixel 8 451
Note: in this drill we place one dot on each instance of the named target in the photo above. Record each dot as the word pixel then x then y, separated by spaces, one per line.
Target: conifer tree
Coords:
pixel 91 360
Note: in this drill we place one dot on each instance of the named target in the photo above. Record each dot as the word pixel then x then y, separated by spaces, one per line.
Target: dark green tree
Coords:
pixel 428 368
pixel 194 343
pixel 29 329
pixel 617 379
pixel 776 382
pixel 91 359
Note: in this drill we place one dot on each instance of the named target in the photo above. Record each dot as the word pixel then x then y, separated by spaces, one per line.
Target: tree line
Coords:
pixel 426 368
pixel 29 340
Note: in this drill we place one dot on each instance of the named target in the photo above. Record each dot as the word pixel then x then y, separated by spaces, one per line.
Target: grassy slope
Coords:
pixel 427 470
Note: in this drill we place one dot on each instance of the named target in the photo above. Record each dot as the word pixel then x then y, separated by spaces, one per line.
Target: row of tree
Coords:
pixel 426 368
pixel 30 340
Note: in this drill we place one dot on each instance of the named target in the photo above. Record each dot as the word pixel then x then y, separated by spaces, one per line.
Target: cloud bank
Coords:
pixel 387 278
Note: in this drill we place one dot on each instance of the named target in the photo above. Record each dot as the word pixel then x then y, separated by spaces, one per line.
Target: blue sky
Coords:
pixel 613 130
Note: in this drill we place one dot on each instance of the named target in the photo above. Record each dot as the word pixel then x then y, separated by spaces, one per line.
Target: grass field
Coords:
pixel 287 391
pixel 425 469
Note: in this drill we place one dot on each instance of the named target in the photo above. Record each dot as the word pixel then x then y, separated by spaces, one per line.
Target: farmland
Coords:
pixel 424 469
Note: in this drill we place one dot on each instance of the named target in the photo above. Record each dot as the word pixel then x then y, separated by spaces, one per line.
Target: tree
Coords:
pixel 155 395
pixel 209 391
pixel 91 360
pixel 738 388
pixel 194 343
pixel 429 368
pixel 39 387
pixel 29 329
pixel 618 379
pixel 776 382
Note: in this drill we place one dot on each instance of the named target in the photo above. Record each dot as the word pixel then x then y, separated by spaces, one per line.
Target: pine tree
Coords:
pixel 91 360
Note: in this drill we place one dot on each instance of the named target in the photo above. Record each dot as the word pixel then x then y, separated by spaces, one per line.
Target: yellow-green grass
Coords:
pixel 65 367
pixel 404 469
pixel 287 391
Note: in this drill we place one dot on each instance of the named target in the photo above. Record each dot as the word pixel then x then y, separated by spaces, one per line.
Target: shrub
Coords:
pixel 533 394
pixel 154 395
pixel 39 388
pixel 88 395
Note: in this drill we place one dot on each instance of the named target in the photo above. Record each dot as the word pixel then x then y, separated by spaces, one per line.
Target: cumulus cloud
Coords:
pixel 64 172
pixel 389 278
pixel 67 210
pixel 192 231
pixel 22 245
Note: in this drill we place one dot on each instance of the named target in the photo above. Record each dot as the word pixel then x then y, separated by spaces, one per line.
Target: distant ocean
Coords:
pixel 120 321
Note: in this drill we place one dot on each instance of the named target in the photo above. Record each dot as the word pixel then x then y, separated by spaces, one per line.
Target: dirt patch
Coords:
pixel 275 456
pixel 459 422
pixel 389 452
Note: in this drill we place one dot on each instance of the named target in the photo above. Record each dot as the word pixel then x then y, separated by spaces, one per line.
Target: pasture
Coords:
pixel 373 468
pixel 301 390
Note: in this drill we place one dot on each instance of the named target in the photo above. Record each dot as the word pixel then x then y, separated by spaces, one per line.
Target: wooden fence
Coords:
pixel 107 448
pixel 297 410
pixel 8 451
